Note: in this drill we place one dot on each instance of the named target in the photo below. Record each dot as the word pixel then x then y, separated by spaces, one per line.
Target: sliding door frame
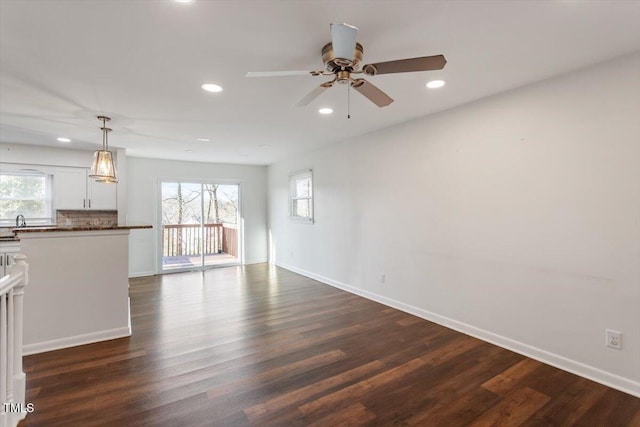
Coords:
pixel 159 229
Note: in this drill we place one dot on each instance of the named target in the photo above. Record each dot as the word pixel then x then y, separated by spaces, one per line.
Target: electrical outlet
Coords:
pixel 381 278
pixel 613 339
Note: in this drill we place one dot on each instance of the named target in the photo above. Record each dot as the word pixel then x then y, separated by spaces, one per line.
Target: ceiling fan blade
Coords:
pixel 372 92
pixel 343 40
pixel 424 63
pixel 278 73
pixel 313 94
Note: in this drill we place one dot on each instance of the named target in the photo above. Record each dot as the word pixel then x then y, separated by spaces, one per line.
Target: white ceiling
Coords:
pixel 142 63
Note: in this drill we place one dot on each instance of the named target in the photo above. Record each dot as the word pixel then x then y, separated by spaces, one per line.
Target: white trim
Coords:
pixel 141 274
pixel 26 168
pixel 255 261
pixel 293 176
pixel 301 171
pixel 301 220
pixel 587 371
pixel 158 223
pixel 37 171
pixel 76 340
pixel 240 225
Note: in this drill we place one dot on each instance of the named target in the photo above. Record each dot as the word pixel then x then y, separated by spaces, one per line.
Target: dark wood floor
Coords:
pixel 264 346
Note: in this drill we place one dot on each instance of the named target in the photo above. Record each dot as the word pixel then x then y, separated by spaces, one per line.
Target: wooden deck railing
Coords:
pixel 12 379
pixel 230 240
pixel 186 240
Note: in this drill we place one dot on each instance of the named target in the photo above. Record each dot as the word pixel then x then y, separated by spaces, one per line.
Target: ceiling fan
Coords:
pixel 342 58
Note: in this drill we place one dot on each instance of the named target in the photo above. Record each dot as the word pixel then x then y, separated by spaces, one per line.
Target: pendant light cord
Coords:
pixel 105 131
pixel 104 134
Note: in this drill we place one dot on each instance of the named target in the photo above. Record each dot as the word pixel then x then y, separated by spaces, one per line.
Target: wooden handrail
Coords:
pixel 192 225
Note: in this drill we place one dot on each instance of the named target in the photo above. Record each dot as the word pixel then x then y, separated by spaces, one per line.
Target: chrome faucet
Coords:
pixel 20 222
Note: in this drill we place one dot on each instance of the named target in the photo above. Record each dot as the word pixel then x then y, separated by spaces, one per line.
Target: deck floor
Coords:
pixel 180 262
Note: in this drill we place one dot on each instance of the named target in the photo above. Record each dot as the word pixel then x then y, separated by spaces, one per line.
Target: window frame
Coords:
pixel 293 196
pixel 47 199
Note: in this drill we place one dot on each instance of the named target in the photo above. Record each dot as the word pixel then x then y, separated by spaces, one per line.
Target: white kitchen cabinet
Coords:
pixel 7 251
pixel 101 195
pixel 70 188
pixel 74 190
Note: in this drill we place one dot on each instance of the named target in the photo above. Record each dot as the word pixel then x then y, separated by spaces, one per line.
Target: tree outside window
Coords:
pixel 28 195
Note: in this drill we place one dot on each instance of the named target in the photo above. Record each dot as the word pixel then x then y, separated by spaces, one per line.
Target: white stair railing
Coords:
pixel 12 379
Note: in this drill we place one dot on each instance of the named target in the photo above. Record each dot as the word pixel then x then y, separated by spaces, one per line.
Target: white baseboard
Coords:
pixel 141 274
pixel 255 261
pixel 590 372
pixel 73 341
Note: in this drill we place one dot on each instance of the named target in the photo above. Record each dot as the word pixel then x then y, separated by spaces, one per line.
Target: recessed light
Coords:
pixel 264 146
pixel 434 84
pixel 63 139
pixel 210 87
pixel 203 139
pixel 325 110
pixel 184 1
pixel 188 151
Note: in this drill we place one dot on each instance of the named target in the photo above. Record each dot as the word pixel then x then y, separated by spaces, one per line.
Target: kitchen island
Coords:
pixel 78 289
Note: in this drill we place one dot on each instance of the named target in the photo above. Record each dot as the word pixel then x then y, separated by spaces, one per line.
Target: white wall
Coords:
pixel 514 218
pixel 23 154
pixel 52 156
pixel 143 177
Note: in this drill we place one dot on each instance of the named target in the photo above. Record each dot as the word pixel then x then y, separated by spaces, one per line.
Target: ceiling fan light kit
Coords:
pixel 342 58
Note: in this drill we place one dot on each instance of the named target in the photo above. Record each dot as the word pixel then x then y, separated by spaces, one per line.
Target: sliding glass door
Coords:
pixel 199 225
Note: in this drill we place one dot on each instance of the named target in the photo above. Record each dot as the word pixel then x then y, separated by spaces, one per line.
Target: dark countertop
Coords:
pixel 78 228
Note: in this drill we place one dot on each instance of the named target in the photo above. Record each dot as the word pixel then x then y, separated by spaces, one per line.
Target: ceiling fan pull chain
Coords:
pixel 348 100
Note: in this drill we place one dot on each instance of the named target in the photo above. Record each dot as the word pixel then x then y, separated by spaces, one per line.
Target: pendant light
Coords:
pixel 103 169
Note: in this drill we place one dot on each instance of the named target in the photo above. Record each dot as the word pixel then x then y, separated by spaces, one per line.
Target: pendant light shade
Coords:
pixel 103 169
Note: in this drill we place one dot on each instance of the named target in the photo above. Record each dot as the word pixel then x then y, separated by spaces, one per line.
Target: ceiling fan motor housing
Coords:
pixel 333 64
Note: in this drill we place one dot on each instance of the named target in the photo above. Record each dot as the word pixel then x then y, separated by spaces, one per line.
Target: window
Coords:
pixel 301 196
pixel 27 194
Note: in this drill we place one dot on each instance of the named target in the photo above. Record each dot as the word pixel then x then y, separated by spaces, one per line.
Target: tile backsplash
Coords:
pixel 84 217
